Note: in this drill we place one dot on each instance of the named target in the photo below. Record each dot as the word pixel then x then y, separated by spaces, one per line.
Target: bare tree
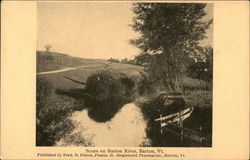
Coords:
pixel 47 47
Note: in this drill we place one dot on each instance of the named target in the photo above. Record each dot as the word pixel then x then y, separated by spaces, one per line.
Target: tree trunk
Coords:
pixel 170 70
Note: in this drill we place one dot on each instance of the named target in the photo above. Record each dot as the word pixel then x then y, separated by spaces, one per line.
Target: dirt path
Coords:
pixel 68 69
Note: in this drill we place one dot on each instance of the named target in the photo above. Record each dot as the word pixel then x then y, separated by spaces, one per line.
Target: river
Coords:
pixel 126 129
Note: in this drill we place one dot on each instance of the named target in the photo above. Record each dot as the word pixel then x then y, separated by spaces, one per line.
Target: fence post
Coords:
pixel 161 122
pixel 201 138
pixel 180 122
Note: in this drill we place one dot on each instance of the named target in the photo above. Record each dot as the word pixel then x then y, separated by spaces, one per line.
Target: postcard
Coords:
pixel 125 80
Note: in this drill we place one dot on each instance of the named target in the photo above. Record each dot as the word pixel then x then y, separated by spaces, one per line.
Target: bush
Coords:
pixel 108 92
pixel 142 86
pixel 145 85
pixel 43 89
pixel 104 85
pixel 52 118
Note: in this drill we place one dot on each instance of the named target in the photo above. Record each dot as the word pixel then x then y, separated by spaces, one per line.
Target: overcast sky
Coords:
pixel 90 29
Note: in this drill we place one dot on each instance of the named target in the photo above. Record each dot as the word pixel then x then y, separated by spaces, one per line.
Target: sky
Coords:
pixel 90 29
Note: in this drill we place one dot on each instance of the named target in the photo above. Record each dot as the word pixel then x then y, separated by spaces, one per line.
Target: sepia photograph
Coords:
pixel 124 74
pixel 124 80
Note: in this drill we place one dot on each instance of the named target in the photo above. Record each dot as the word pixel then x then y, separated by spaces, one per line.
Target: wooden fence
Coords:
pixel 175 121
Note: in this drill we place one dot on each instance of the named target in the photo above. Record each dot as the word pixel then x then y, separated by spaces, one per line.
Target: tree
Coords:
pixel 170 31
pixel 47 47
pixel 143 59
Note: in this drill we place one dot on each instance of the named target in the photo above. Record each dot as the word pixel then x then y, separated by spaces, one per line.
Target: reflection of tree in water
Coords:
pixel 126 129
pixel 108 93
pixel 106 99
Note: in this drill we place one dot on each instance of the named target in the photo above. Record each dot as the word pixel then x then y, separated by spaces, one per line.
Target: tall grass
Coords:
pixel 190 84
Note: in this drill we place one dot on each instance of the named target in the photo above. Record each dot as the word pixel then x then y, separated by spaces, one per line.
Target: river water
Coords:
pixel 126 129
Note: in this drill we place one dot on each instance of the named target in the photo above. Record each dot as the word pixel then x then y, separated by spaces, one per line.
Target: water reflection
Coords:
pixel 126 129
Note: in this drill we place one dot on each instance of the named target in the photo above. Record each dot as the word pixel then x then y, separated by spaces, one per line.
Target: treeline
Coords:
pixel 125 60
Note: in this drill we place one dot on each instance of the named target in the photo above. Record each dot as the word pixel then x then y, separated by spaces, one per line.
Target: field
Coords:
pixel 49 61
pixel 68 88
pixel 60 82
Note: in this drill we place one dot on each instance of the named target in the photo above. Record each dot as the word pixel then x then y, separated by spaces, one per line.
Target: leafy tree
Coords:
pixel 170 31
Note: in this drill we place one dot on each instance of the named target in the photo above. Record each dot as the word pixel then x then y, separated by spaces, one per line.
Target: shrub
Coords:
pixel 43 89
pixel 104 85
pixel 142 86
pixel 145 85
pixel 108 93
pixel 52 118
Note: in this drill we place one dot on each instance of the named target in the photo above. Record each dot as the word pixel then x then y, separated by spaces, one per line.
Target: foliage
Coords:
pixel 203 68
pixel 44 89
pixel 145 86
pixel 104 84
pixel 108 92
pixel 164 27
pixel 52 118
pixel 171 32
pixel 143 59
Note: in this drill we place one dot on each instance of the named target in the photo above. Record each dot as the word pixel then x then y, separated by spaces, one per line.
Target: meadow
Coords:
pixel 49 61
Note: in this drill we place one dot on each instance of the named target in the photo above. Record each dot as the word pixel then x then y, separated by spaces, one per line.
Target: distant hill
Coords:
pixel 49 61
